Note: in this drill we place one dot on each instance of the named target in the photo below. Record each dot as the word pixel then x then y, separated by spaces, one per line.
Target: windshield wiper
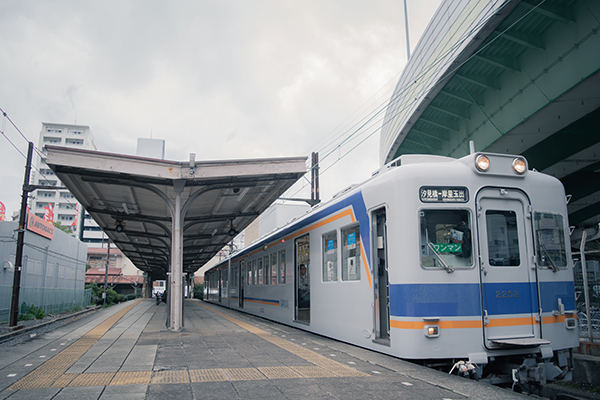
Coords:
pixel 447 267
pixel 554 267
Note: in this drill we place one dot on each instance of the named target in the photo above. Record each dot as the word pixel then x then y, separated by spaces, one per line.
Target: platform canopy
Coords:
pixel 135 201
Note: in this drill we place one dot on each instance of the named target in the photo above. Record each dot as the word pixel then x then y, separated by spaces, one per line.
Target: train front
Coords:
pixel 493 296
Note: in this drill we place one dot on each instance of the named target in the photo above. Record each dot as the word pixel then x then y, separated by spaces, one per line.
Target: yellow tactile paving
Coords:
pixel 52 372
pixel 279 372
pixel 244 374
pixel 46 374
pixel 92 379
pixel 313 372
pixel 131 378
pixel 207 375
pixel 171 377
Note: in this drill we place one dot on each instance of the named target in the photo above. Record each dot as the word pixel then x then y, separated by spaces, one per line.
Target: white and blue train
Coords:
pixel 457 263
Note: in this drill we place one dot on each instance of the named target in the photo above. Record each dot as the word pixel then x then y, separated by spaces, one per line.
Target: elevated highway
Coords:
pixel 513 76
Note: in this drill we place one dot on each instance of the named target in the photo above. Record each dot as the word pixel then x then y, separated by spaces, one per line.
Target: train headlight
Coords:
pixel 482 163
pixel 519 166
pixel 432 331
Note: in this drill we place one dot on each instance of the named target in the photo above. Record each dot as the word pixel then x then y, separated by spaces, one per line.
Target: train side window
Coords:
pixel 330 261
pixel 550 240
pixel 254 272
pixel 259 269
pixel 234 274
pixel 267 270
pixel 351 253
pixel 281 266
pixel 273 268
pixel 446 239
pixel 503 238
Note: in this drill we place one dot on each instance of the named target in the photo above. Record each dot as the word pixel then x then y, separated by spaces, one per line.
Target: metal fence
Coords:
pixel 588 303
pixel 51 300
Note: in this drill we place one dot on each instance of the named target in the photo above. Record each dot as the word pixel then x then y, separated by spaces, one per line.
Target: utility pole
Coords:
pixel 14 305
pixel 314 184
pixel 106 271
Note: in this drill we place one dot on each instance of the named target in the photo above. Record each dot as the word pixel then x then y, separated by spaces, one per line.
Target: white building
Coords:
pixel 65 207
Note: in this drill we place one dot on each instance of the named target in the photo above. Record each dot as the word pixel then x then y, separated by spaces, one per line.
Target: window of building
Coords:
pixel 330 260
pixel 351 253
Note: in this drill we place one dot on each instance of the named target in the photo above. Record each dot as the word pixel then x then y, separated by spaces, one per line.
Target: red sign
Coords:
pixel 48 213
pixel 37 225
pixel 2 211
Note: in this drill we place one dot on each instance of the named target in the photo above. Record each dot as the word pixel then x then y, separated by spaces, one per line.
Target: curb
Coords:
pixel 10 335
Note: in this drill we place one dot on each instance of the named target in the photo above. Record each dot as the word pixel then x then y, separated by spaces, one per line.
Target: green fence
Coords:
pixel 51 300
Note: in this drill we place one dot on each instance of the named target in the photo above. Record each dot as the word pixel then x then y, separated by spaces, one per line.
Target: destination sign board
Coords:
pixel 434 194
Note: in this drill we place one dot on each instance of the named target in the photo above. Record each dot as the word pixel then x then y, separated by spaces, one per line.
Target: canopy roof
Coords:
pixel 133 199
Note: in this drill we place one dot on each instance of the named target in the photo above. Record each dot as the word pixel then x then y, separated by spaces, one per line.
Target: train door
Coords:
pixel 241 279
pixel 381 304
pixel 302 274
pixel 509 289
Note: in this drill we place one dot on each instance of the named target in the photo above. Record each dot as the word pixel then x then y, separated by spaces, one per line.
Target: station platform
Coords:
pixel 126 351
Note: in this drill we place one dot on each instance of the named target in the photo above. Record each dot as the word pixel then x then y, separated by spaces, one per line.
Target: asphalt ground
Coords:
pixel 126 351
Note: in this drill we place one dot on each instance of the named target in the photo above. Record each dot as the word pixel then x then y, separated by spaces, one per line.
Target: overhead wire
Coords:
pixel 42 176
pixel 401 91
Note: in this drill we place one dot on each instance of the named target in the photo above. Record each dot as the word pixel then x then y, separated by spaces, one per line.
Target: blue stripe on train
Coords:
pixel 464 300
pixel 355 201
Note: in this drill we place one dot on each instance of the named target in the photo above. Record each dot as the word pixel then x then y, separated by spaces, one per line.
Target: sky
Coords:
pixel 224 79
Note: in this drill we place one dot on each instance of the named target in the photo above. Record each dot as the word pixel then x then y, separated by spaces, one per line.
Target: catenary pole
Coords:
pixel 14 305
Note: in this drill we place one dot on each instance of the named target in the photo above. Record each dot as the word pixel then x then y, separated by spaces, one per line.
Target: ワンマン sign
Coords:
pixel 37 225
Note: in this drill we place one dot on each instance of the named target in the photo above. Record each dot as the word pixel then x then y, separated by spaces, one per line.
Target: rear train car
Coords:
pixel 460 264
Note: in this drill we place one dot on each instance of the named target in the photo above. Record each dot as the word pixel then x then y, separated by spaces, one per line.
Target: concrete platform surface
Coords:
pixel 126 351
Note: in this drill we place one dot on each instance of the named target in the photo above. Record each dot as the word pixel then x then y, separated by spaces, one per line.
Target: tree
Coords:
pixel 199 291
pixel 63 228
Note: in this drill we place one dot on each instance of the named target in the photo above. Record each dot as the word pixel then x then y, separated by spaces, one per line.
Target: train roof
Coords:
pixel 499 165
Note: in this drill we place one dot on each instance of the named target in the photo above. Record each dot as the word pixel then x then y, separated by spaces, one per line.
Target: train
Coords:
pixel 461 264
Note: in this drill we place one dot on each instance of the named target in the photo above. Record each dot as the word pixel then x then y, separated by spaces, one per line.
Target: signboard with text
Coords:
pixel 430 194
pixel 37 225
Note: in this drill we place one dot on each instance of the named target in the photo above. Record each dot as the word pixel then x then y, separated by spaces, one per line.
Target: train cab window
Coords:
pixel 351 253
pixel 273 268
pixel 503 238
pixel 550 241
pixel 330 261
pixel 446 239
pixel 281 266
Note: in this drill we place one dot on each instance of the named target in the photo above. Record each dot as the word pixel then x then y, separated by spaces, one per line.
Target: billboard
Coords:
pixel 37 225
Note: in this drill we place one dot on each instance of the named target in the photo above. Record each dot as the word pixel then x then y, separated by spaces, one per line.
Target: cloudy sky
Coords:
pixel 222 78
